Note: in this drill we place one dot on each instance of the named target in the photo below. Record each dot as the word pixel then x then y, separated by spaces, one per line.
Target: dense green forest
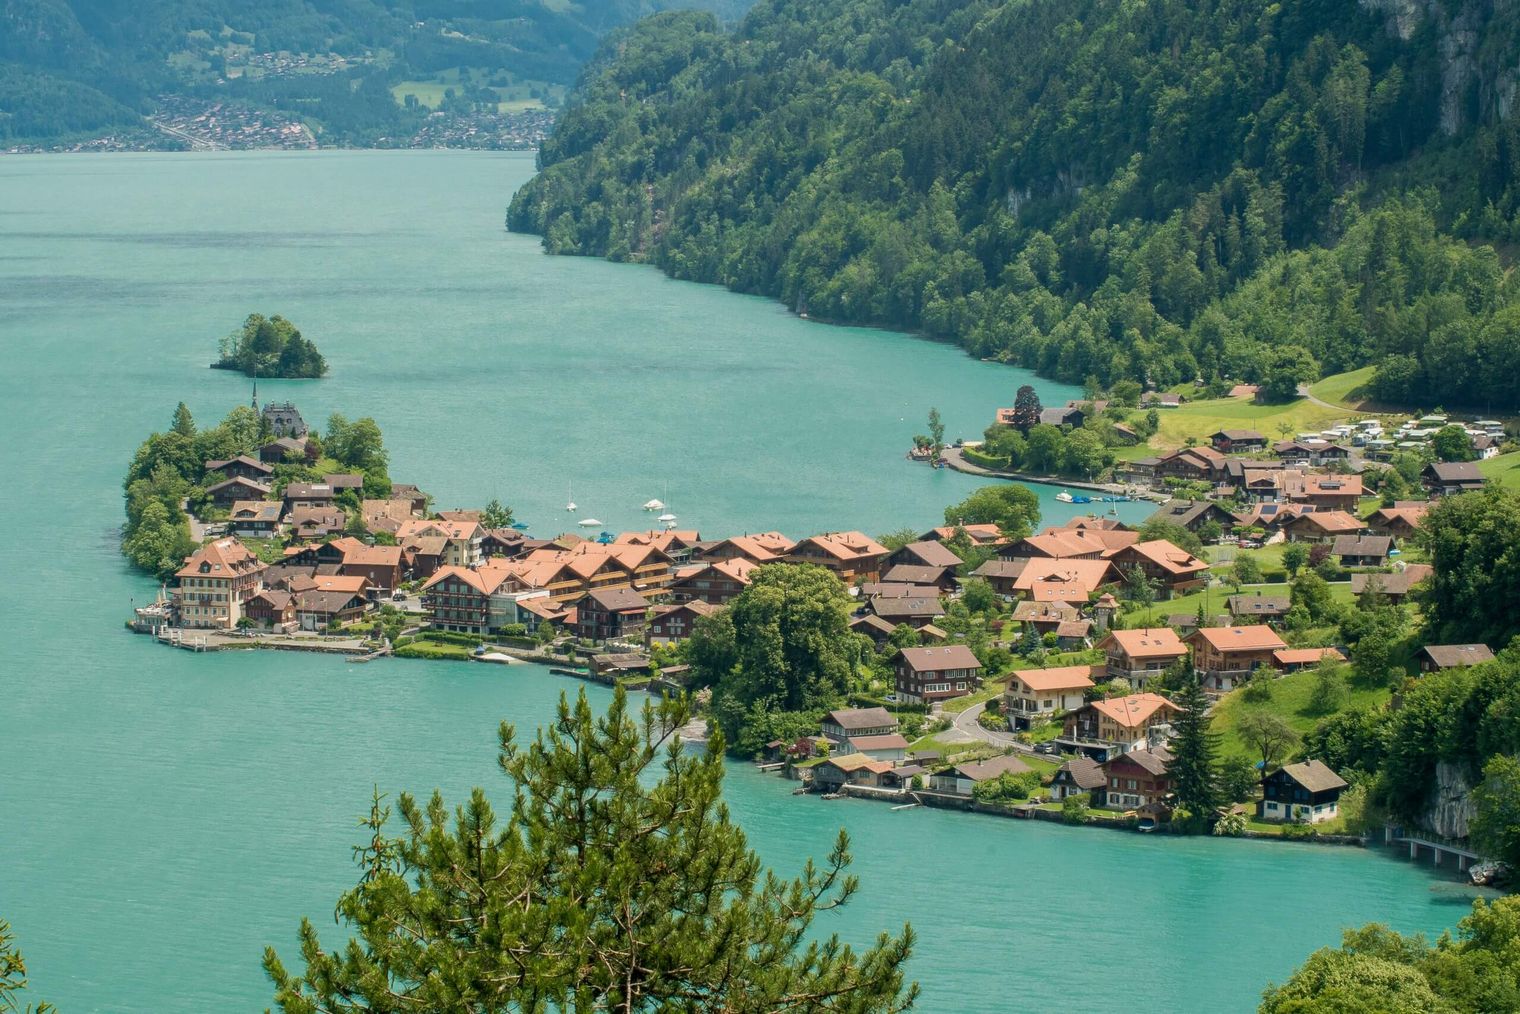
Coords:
pixel 1093 189
pixel 71 67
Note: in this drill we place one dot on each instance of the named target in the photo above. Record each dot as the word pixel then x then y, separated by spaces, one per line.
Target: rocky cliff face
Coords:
pixel 1479 57
pixel 1451 806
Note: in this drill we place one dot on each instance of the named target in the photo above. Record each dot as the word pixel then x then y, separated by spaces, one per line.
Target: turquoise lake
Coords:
pixel 164 816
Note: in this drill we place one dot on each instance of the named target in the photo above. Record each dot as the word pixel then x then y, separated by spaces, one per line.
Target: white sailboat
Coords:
pixel 666 517
pixel 654 505
pixel 569 499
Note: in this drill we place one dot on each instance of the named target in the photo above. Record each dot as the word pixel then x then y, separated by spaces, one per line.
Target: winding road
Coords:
pixel 966 723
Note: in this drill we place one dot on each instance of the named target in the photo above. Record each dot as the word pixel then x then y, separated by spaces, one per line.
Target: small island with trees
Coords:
pixel 270 347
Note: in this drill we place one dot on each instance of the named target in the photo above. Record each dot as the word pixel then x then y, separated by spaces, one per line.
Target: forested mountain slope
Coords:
pixel 1092 188
pixel 77 65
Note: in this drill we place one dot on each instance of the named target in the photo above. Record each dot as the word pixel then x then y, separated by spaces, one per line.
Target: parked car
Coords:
pixel 398 596
pixel 1048 748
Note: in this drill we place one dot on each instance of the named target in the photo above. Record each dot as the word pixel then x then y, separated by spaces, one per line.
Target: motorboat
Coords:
pixel 589 523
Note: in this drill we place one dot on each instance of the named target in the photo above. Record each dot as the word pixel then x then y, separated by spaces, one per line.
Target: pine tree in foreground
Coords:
pixel 617 883
pixel 1193 748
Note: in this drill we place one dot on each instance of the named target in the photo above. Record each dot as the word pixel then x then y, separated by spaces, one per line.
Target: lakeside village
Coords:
pixel 999 669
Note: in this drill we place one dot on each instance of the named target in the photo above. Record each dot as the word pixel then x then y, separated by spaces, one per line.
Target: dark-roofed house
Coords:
pixel 915 611
pixel 1362 550
pixel 1447 478
pixel 257 518
pixel 926 675
pixel 1193 464
pixel 1435 657
pixel 1265 608
pixel 874 627
pixel 1232 441
pixel 839 726
pixel 1076 776
pixel 272 609
pixel 1321 526
pixel 1401 520
pixel 942 579
pixel 1305 793
pixel 1395 586
pixel 675 623
pixel 322 608
pixel 230 491
pixel 309 494
pixel 242 466
pixel 961 779
pixel 1193 514
pixel 926 553
pixel 1135 779
pixel 610 613
pixel 282 449
pixel 1002 575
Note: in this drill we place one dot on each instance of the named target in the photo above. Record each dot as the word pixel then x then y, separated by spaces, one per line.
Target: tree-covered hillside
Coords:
pixel 1092 188
pixel 75 66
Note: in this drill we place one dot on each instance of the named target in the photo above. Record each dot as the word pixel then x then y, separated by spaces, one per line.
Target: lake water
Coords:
pixel 164 816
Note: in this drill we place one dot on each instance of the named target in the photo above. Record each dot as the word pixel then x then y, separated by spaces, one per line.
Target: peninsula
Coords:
pixel 1226 666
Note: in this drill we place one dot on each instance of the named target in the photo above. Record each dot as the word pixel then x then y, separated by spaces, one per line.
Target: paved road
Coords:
pixel 966 722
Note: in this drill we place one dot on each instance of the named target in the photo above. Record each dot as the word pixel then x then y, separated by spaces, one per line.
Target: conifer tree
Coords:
pixel 616 882
pixel 1193 748
pixel 184 425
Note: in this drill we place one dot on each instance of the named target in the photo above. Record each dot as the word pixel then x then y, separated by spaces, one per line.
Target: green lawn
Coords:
pixel 1198 419
pixel 1503 470
pixel 1290 700
pixel 991 689
pixel 1187 605
pixel 1343 388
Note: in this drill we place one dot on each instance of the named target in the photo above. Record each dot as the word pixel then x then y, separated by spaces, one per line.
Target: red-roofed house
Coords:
pixel 1225 657
pixel 1173 568
pixel 851 556
pixel 1044 693
pixel 1117 725
pixel 215 583
pixel 1140 655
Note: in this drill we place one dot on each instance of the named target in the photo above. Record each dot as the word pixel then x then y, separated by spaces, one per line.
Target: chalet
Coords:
pixel 1175 570
pixel 1294 659
pixel 1448 478
pixel 1248 391
pixel 1362 550
pixel 1235 470
pixel 379 565
pixel 1304 793
pixel 1161 399
pixel 504 543
pixel 230 491
pixel 1191 464
pixel 1321 526
pixel 1002 575
pixel 385 515
pixel 242 467
pixel 464 539
pixel 1125 435
pixel 477 601
pixel 1080 577
pixel 962 779
pixel 941 579
pixel 214 585
pixel 1487 445
pixel 1258 607
pixel 874 627
pixel 1135 779
pixel 1325 492
pixel 927 675
pixel 1045 693
pixel 849 769
pixel 1224 657
pixel 1044 617
pixel 309 494
pixel 1077 776
pixel 1435 657
pixel 1072 635
pixel 1117 725
pixel 1396 586
pixel 1068 415
pixel 678 545
pixel 850 556
pixel 1304 453
pixel 311 524
pixel 979 535
pixel 915 612
pixel 716 583
pixel 1399 521
pixel 350 480
pixel 839 726
pixel 283 449
pixel 272 609
pixel 606 614
pixel 259 519
pixel 924 553
pixel 422 555
pixel 891 746
pixel 1193 514
pixel 1056 544
pixel 1142 654
pixel 416 497
pixel 1236 441
pixel 895 590
pixel 320 609
pixel 674 623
